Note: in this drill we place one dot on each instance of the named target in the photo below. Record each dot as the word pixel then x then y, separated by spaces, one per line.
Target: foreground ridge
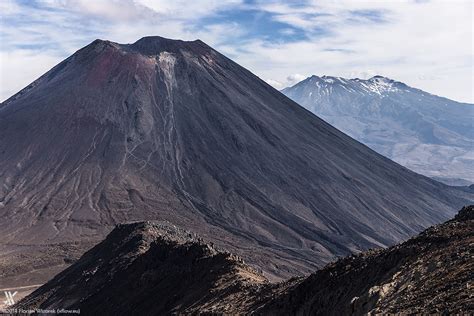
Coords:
pixel 429 274
pixel 154 268
pixel 150 268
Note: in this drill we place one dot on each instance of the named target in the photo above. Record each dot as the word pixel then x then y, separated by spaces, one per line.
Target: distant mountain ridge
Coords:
pixel 429 134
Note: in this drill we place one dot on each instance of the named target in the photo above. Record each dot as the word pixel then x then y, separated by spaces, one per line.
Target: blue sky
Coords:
pixel 427 44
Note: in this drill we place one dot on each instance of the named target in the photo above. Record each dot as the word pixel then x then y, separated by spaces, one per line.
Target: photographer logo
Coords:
pixel 9 298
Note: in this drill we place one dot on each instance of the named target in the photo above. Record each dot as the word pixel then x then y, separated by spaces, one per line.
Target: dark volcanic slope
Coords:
pixel 156 268
pixel 429 274
pixel 173 130
pixel 151 269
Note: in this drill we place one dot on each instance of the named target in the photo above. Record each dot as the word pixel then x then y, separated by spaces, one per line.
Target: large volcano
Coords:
pixel 173 130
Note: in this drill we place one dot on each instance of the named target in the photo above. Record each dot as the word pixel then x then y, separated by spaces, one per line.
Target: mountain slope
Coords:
pixel 428 274
pixel 172 130
pixel 426 133
pixel 150 269
pixel 157 268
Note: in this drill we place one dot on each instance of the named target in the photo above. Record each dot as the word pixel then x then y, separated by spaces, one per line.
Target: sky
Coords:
pixel 426 44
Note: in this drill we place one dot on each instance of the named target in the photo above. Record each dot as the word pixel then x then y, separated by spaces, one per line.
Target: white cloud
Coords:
pixel 184 9
pixel 425 44
pixel 290 80
pixel 294 78
pixel 9 7
pixel 419 40
pixel 362 74
pixel 59 28
pixel 275 84
pixel 118 10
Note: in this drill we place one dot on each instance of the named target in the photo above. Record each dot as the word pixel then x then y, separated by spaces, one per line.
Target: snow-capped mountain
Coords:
pixel 429 134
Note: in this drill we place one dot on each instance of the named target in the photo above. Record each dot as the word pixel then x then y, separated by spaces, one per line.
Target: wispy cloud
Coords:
pixel 365 16
pixel 279 41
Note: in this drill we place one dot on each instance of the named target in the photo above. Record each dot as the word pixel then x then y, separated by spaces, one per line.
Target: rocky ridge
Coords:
pixel 157 268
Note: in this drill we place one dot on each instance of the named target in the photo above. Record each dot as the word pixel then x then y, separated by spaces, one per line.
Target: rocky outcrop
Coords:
pixel 151 268
pixel 157 268
pixel 429 274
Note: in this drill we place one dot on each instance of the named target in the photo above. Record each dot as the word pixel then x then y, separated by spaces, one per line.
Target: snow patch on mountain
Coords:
pixel 426 133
